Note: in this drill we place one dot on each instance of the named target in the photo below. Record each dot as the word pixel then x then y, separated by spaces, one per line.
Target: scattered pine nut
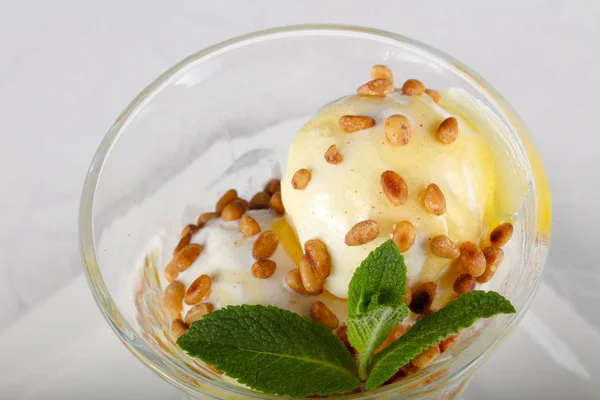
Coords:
pixel 265 245
pixel 395 334
pixel 426 357
pixel 376 87
pixel 446 343
pixel 301 179
pixel 447 132
pixel 434 200
pixel 260 201
pixel 342 334
pixel 434 94
pixel 443 246
pixel 361 233
pixel 380 71
pixel 318 256
pixel 501 234
pixel 184 241
pixel 204 218
pixel 294 280
pixel 404 235
pixel 312 282
pixel 398 130
pixel 471 259
pixel 173 297
pixel 422 298
pixel 464 283
pixel 233 211
pixel 197 312
pixel 179 327
pixel 319 312
pixel 198 290
pixel 394 187
pixel 227 198
pixel 189 228
pixel 493 257
pixel 407 298
pixel 355 123
pixel 182 260
pixel 263 269
pixel 274 185
pixel 244 203
pixel 276 203
pixel 413 87
pixel 333 156
pixel 249 226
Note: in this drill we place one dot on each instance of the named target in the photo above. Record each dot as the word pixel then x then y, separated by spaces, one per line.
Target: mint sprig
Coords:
pixel 272 350
pixel 278 352
pixel 456 315
pixel 375 303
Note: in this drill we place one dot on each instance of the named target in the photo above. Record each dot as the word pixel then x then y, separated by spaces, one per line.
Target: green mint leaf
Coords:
pixel 375 303
pixel 458 314
pixel 272 350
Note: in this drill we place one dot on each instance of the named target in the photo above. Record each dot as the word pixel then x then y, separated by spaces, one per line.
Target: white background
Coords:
pixel 69 67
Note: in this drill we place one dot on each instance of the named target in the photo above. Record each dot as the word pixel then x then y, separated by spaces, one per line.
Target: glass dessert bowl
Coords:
pixel 225 118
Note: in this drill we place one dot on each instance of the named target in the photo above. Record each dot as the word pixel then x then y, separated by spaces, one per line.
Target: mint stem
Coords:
pixel 362 369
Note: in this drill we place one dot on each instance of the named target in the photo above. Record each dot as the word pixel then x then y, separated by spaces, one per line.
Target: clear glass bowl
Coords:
pixel 194 132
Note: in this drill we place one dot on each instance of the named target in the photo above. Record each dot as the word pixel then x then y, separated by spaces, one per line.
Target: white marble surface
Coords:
pixel 69 67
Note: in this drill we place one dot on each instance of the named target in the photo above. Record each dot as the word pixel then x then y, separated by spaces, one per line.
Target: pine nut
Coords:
pixel 294 280
pixel 501 234
pixel 493 257
pixel 342 334
pixel 227 198
pixel 320 313
pixel 276 203
pixel 242 202
pixel 447 132
pixel 394 187
pixel 464 283
pixel 381 72
pixel 263 269
pixel 471 259
pixel 426 357
pixel 274 185
pixel 333 156
pixel 355 123
pixel 179 327
pixel 434 94
pixel 443 246
pixel 422 298
pixel 260 201
pixel 398 130
pixel 184 241
pixel 182 260
pixel 198 290
pixel 446 343
pixel 189 228
pixel 404 235
pixel 265 245
pixel 249 226
pixel 361 233
pixel 395 334
pixel 233 211
pixel 407 298
pixel 204 218
pixel 413 87
pixel 197 312
pixel 312 282
pixel 318 256
pixel 173 297
pixel 434 200
pixel 301 179
pixel 376 87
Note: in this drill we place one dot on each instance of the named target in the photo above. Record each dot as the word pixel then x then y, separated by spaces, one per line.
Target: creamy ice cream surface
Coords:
pixel 474 173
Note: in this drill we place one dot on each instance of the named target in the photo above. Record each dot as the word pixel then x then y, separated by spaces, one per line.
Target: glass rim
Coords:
pixel 85 224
